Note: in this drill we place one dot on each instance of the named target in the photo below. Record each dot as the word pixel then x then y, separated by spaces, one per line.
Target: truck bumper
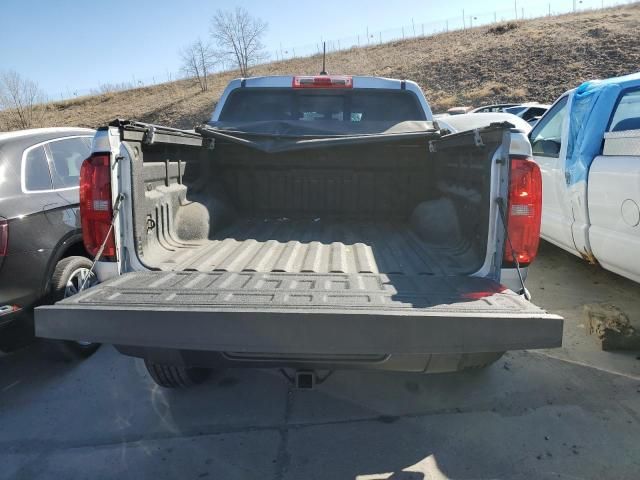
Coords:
pixel 280 313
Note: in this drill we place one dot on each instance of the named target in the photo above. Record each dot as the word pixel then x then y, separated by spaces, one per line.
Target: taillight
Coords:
pixel 4 238
pixel 524 211
pixel 95 205
pixel 323 81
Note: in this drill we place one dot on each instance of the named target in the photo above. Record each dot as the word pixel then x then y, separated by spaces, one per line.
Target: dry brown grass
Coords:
pixel 533 60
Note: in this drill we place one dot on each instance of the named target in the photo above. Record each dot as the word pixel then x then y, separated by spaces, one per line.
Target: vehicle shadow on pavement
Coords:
pixel 35 365
pixel 524 417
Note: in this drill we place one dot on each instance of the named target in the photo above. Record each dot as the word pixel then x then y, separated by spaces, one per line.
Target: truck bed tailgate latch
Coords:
pixel 149 136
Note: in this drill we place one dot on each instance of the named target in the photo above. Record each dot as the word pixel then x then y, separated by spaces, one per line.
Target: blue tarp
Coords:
pixel 591 110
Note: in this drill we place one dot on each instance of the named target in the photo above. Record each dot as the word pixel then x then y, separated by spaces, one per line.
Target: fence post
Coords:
pixel 403 33
pixel 380 35
pixel 447 25
pixel 464 21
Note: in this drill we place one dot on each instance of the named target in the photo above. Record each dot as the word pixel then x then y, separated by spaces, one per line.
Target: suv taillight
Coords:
pixel 524 211
pixel 4 238
pixel 95 205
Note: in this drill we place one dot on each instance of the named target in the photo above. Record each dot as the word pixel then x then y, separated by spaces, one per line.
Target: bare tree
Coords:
pixel 21 100
pixel 198 60
pixel 238 35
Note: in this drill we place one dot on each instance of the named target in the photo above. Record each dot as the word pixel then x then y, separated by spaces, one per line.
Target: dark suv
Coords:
pixel 42 258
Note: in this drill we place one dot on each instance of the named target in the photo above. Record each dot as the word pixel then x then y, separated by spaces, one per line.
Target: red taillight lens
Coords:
pixel 95 205
pixel 524 211
pixel 4 238
pixel 323 81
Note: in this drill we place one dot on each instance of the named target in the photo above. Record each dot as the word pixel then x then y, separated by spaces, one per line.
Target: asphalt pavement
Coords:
pixel 567 413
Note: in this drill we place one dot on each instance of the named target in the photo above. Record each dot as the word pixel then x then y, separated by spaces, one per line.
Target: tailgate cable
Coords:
pixel 96 259
pixel 525 293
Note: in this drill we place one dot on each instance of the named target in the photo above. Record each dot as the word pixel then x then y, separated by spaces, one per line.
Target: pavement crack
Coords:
pixel 586 365
pixel 284 457
pixel 284 428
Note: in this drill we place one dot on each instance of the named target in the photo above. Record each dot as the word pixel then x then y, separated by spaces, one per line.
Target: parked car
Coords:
pixel 458 110
pixel 588 148
pixel 495 108
pixel 42 257
pixel 469 121
pixel 529 112
pixel 315 223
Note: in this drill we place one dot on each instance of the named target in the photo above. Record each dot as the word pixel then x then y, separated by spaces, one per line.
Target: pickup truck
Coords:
pixel 316 223
pixel 588 148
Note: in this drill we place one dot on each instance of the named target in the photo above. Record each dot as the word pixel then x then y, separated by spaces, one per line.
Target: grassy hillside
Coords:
pixel 533 60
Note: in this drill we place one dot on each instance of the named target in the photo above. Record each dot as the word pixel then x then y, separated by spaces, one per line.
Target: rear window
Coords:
pixel 67 156
pixel 627 114
pixel 36 170
pixel 355 106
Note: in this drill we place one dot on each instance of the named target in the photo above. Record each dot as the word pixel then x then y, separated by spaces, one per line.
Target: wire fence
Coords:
pixel 468 18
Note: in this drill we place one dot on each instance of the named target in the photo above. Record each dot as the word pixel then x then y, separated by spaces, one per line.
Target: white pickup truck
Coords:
pixel 315 223
pixel 588 148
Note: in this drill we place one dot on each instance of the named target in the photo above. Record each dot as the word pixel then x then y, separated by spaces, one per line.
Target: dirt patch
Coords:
pixel 502 29
pixel 611 326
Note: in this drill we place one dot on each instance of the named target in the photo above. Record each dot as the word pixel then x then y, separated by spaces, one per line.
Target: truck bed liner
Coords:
pixel 317 246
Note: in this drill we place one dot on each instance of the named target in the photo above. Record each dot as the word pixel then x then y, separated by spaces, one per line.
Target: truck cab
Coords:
pixel 588 149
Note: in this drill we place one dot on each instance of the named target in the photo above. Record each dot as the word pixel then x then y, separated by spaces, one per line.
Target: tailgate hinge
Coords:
pixel 149 135
pixel 477 139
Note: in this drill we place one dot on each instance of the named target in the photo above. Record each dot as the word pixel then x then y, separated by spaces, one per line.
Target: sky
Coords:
pixel 70 47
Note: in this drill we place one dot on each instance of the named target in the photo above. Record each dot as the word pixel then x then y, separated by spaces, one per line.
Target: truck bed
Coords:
pixel 363 249
pixel 317 246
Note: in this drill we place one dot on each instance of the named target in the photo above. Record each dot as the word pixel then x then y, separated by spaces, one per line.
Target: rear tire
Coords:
pixel 67 279
pixel 173 376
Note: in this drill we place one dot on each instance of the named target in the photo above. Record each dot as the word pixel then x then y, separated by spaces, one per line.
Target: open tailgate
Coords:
pixel 302 313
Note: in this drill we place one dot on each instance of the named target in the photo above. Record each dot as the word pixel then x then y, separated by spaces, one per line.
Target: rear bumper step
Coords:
pixel 282 313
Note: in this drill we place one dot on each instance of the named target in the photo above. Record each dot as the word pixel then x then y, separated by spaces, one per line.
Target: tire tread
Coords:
pixel 174 376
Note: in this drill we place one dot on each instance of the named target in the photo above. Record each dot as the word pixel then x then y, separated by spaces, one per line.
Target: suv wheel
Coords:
pixel 71 276
pixel 173 376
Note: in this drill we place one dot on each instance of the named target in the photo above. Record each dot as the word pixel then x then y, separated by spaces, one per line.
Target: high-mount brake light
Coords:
pixel 524 211
pixel 96 212
pixel 323 81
